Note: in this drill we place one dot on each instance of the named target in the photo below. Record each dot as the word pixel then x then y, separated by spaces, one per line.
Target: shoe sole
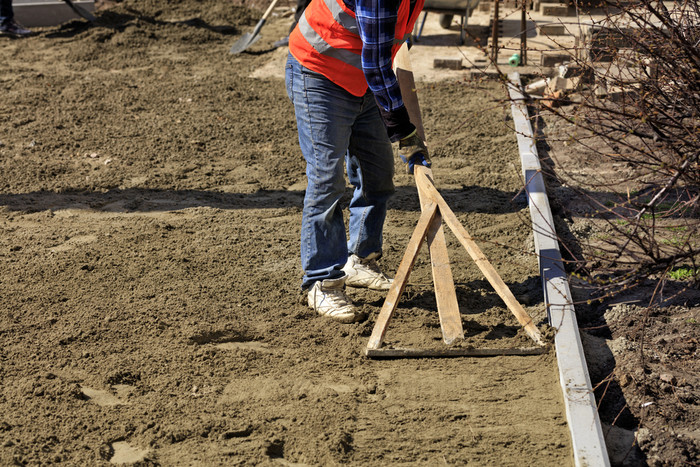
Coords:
pixel 343 319
pixel 362 286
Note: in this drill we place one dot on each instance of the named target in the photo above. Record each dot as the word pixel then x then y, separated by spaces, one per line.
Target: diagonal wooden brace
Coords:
pixel 401 277
pixel 479 258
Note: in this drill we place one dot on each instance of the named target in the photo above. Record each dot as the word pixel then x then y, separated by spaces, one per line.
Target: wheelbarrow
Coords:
pixel 448 9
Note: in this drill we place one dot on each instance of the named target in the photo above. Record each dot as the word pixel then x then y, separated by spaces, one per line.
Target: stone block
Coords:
pixel 450 63
pixel 552 30
pixel 548 86
pixel 554 59
pixel 554 9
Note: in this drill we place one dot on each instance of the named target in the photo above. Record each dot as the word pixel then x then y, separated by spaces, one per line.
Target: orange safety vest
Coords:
pixel 327 41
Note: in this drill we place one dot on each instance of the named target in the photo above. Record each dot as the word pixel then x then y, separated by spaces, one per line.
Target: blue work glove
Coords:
pixel 412 151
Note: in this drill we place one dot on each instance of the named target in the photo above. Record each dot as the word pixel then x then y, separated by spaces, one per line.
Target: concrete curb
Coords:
pixel 43 13
pixel 581 411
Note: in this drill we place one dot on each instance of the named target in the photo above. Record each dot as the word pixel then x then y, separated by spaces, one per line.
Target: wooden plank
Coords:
pixel 401 277
pixel 445 294
pixel 483 264
pixel 404 76
pixel 453 352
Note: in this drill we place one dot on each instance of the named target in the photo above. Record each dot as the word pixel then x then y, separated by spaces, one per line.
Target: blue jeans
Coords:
pixel 6 12
pixel 335 126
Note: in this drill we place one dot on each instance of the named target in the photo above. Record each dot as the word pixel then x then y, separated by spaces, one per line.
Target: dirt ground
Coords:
pixel 151 187
pixel 642 359
pixel 150 203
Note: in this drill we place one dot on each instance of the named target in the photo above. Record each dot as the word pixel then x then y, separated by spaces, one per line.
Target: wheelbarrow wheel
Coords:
pixel 446 21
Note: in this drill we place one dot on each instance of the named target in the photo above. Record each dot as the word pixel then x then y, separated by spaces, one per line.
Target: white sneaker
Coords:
pixel 364 272
pixel 328 299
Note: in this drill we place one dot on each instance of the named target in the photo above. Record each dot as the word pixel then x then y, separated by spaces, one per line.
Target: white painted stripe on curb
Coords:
pixel 581 412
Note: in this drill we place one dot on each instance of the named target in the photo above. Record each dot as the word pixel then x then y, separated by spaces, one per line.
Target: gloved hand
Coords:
pixel 412 151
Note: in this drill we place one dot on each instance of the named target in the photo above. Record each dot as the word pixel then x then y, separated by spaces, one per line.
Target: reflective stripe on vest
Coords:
pixel 342 17
pixel 327 41
pixel 323 47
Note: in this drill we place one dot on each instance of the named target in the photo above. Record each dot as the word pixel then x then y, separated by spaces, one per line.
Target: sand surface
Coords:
pixel 151 188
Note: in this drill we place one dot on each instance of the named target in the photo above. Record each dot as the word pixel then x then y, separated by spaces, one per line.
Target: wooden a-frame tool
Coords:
pixel 434 210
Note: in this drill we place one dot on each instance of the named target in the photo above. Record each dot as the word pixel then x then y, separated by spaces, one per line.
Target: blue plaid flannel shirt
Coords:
pixel 376 21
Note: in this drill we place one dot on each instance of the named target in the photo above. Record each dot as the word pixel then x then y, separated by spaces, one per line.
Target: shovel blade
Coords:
pixel 244 42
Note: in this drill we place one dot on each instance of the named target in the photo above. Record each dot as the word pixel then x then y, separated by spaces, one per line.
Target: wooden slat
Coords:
pixel 453 352
pixel 480 259
pixel 445 294
pixel 401 277
pixel 404 76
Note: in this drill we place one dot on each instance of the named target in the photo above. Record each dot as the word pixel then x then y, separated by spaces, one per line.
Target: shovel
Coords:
pixel 80 11
pixel 251 38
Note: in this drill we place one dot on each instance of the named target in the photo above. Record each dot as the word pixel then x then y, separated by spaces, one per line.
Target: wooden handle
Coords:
pixel 269 9
pixel 404 75
pixel 445 293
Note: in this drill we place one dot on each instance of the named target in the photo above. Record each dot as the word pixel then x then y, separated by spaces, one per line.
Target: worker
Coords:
pixel 349 108
pixel 8 25
pixel 298 11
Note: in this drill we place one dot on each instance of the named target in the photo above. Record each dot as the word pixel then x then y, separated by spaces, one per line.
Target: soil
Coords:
pixel 151 188
pixel 641 344
pixel 150 204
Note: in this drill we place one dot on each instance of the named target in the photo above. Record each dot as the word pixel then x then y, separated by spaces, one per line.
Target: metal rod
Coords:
pixel 523 34
pixel 494 33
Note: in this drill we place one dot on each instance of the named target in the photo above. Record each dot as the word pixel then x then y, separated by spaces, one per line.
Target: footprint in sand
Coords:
pixel 74 242
pixel 124 453
pixel 102 398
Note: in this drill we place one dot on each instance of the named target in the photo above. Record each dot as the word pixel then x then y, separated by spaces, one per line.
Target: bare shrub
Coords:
pixel 638 111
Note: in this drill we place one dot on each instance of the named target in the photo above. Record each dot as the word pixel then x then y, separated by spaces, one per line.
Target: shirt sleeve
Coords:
pixel 376 21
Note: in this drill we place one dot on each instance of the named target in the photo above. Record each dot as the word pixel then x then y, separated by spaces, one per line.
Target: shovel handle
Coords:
pixel 269 10
pixel 261 23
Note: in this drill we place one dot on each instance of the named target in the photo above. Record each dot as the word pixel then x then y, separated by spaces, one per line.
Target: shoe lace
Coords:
pixel 336 297
pixel 373 267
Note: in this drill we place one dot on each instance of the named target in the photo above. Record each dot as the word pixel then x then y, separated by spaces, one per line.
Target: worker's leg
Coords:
pixel 6 13
pixel 325 114
pixel 370 170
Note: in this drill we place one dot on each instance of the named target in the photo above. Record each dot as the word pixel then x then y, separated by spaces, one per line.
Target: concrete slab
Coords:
pixel 554 9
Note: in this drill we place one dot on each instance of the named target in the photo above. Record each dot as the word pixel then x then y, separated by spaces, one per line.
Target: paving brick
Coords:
pixel 554 9
pixel 553 30
pixel 485 7
pixel 451 63
pixel 554 59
